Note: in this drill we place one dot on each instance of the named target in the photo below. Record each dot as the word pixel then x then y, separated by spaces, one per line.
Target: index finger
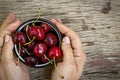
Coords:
pixel 8 26
pixel 75 39
pixel 8 20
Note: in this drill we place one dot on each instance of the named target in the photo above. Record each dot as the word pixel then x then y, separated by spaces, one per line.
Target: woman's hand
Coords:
pixel 73 54
pixel 8 68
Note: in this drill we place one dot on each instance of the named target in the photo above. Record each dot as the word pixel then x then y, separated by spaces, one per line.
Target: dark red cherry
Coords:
pixel 31 45
pixel 50 40
pixel 30 60
pixel 43 59
pixel 37 32
pixel 20 38
pixel 54 52
pixel 46 27
pixel 23 52
pixel 40 49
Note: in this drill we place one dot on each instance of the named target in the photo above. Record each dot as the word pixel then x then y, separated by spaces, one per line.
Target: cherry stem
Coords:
pixel 47 58
pixel 30 41
pixel 61 76
pixel 37 17
pixel 38 14
pixel 33 24
pixel 19 47
pixel 26 50
pixel 18 61
pixel 27 32
pixel 60 44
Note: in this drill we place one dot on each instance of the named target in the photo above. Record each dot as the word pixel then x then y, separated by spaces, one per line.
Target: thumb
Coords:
pixel 7 53
pixel 67 50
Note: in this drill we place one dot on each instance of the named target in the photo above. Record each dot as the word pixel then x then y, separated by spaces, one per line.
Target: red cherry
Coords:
pixel 50 40
pixel 20 38
pixel 31 60
pixel 43 59
pixel 54 52
pixel 23 52
pixel 31 45
pixel 37 32
pixel 40 49
pixel 46 27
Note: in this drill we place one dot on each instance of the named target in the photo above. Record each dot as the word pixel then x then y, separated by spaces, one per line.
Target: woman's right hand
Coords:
pixel 73 54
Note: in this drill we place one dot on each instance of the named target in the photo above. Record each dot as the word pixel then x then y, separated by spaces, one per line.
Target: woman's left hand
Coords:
pixel 8 68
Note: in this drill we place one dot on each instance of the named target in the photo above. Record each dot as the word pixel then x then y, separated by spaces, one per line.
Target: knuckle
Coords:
pixel 77 35
pixel 71 62
pixel 66 47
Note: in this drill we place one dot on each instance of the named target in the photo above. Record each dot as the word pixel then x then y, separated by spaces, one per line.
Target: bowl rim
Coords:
pixel 54 27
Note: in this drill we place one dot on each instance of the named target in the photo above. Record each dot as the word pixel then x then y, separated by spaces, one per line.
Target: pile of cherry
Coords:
pixel 37 44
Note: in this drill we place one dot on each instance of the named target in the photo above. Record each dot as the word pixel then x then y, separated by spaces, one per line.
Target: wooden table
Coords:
pixel 97 22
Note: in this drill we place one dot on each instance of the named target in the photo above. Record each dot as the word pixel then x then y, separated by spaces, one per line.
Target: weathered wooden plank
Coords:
pixel 97 22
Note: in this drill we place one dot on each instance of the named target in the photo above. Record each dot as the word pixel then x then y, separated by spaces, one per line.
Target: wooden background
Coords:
pixel 97 22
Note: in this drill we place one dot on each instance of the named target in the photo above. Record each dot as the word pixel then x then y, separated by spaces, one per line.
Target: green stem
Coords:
pixel 47 58
pixel 19 47
pixel 30 41
pixel 26 50
pixel 27 32
pixel 60 44
pixel 39 14
pixel 33 24
pixel 61 76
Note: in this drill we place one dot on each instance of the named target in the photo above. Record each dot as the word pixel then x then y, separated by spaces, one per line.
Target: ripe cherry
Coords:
pixel 50 40
pixel 54 52
pixel 23 52
pixel 40 49
pixel 31 60
pixel 46 27
pixel 36 32
pixel 31 45
pixel 20 38
pixel 43 59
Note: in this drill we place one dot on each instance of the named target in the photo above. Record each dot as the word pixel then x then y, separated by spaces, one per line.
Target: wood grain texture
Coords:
pixel 97 22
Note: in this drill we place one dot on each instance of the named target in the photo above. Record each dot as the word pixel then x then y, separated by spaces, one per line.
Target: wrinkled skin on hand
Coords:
pixel 73 54
pixel 8 68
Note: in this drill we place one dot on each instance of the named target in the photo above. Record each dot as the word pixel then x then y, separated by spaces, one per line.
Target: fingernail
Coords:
pixel 7 38
pixel 67 40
